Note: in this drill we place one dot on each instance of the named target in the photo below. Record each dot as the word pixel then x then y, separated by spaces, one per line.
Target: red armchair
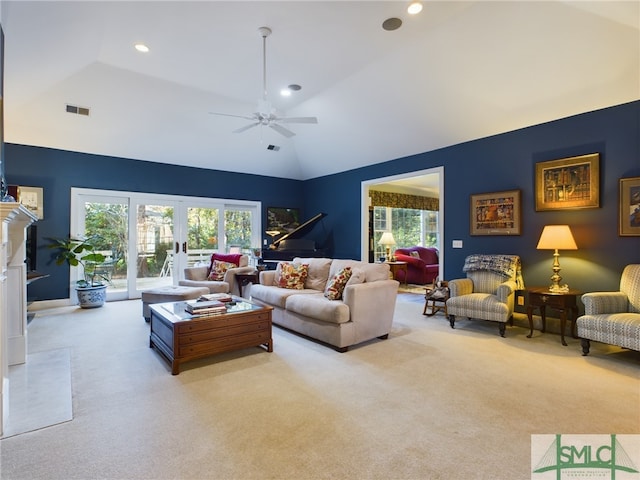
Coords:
pixel 422 266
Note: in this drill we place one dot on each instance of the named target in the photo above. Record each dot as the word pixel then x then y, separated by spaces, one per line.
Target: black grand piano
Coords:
pixel 291 245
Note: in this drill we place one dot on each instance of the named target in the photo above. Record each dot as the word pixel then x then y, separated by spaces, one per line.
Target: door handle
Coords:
pixel 184 247
pixel 177 247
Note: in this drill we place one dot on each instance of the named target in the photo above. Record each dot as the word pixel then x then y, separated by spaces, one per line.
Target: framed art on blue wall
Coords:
pixel 282 220
pixel 568 183
pixel 497 213
pixel 629 223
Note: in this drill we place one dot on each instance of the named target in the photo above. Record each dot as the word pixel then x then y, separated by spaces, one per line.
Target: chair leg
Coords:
pixel 502 326
pixel 585 346
pixel 452 321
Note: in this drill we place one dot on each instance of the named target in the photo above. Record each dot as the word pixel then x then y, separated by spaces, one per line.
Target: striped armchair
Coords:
pixel 488 292
pixel 613 317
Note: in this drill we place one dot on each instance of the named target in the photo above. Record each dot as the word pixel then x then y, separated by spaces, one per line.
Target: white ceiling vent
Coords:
pixel 78 110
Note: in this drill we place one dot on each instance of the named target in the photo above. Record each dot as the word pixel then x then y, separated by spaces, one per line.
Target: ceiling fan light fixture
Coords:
pixel 414 8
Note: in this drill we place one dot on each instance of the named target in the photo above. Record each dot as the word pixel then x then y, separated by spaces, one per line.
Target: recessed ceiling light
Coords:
pixel 141 47
pixel 415 7
pixel 286 92
pixel 392 24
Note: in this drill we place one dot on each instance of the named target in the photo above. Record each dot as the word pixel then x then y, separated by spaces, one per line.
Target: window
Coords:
pixel 409 227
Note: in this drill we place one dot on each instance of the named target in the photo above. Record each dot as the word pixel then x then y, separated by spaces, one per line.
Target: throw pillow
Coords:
pixel 218 269
pixel 414 254
pixel 292 276
pixel 336 285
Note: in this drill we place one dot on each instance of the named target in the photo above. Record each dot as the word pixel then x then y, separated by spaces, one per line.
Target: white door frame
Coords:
pixel 365 201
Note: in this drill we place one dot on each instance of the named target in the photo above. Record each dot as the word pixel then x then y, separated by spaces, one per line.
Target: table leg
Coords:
pixel 574 311
pixel 563 324
pixel 530 317
pixel 543 316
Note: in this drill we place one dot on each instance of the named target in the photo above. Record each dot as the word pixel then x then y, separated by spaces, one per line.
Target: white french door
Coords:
pixel 149 239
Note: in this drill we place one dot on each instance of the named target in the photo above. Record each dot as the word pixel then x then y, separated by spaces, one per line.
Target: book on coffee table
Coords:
pixel 211 306
pixel 221 297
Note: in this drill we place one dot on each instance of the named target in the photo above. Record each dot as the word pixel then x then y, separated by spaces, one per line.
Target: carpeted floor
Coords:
pixel 428 403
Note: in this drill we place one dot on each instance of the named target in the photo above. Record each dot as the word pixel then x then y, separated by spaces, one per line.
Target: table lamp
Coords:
pixel 557 237
pixel 387 240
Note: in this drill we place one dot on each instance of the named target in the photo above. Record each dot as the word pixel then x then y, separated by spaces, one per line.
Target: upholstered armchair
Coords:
pixel 422 265
pixel 488 291
pixel 613 317
pixel 215 276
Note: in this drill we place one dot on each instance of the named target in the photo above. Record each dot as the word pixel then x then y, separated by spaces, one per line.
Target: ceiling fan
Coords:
pixel 265 114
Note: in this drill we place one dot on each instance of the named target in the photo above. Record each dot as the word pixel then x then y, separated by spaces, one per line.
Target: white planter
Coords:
pixel 92 297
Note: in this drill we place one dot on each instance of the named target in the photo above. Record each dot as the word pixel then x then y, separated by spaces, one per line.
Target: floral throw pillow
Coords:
pixel 336 285
pixel 292 276
pixel 218 269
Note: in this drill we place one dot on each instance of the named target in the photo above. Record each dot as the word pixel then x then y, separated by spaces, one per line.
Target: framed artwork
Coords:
pixel 497 213
pixel 629 222
pixel 282 220
pixel 32 198
pixel 568 183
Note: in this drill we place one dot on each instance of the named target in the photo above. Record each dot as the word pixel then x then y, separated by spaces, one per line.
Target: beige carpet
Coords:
pixel 428 403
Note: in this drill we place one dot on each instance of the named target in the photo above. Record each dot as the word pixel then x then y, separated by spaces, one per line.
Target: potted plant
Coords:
pixel 92 289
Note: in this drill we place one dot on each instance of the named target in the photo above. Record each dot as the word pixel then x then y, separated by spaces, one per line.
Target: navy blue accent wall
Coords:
pixel 57 171
pixel 501 162
pixel 505 162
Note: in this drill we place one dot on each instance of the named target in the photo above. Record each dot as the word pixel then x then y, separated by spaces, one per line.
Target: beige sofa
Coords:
pixel 197 277
pixel 365 311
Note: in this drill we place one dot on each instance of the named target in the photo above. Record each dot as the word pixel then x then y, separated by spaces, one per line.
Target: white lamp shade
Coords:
pixel 556 237
pixel 387 239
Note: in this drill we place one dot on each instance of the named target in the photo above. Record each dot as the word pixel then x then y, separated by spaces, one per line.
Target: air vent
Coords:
pixel 78 110
pixel 275 148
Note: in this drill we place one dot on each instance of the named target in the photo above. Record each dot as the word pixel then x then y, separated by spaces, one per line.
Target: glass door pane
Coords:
pixel 105 219
pixel 202 234
pixel 155 245
pixel 237 229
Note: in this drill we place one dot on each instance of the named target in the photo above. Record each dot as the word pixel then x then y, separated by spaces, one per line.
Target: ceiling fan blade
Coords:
pixel 235 116
pixel 247 127
pixel 281 130
pixel 298 120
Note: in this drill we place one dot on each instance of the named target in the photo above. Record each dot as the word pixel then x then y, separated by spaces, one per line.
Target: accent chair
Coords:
pixel 613 317
pixel 488 291
pixel 422 265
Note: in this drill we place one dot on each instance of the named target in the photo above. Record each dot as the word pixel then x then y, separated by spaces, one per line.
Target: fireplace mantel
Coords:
pixel 13 293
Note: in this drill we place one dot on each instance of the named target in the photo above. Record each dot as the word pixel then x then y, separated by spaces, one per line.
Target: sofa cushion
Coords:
pixel 292 275
pixel 318 272
pixel 218 269
pixel 357 276
pixel 318 307
pixel 373 272
pixel 336 285
pixel 276 296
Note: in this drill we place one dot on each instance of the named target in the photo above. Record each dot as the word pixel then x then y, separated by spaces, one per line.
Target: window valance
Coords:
pixel 402 200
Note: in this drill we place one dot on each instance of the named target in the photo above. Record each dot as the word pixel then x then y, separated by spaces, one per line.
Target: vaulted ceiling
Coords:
pixel 455 72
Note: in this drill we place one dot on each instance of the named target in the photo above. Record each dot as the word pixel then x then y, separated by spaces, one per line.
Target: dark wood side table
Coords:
pixel 565 302
pixel 244 279
pixel 395 266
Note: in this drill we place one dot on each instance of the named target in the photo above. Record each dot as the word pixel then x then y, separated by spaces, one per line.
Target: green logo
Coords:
pixel 584 456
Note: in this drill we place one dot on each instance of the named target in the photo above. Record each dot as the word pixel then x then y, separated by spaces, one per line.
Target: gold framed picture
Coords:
pixel 32 198
pixel 629 222
pixel 496 213
pixel 568 183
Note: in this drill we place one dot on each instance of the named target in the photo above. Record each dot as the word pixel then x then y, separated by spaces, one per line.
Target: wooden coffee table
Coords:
pixel 182 337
